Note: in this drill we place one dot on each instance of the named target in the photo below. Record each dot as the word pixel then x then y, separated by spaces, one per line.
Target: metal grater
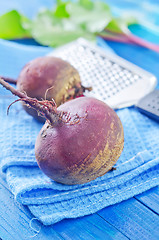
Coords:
pixel 149 105
pixel 115 81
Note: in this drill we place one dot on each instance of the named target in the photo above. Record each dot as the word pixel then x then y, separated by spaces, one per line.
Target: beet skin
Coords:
pixel 51 78
pixel 82 148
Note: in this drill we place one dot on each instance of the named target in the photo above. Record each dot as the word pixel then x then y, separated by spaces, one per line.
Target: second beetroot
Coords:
pixel 49 78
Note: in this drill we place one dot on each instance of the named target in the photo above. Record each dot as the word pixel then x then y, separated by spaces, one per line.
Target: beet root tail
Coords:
pixel 47 108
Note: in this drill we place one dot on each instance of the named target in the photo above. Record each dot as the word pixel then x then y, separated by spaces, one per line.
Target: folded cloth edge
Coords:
pixel 125 194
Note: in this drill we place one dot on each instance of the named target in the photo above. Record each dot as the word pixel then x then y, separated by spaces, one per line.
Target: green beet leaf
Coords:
pixel 68 21
pixel 60 10
pixel 14 25
pixel 120 25
pixel 91 16
pixel 86 4
pixel 50 30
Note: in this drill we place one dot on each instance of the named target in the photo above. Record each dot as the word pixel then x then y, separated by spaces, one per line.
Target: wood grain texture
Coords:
pixel 16 221
pixel 88 227
pixel 150 199
pixel 133 219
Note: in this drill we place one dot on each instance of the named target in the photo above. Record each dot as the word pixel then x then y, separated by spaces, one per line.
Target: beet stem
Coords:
pixel 137 40
pixel 12 89
pixel 46 108
pixel 128 37
pixel 9 80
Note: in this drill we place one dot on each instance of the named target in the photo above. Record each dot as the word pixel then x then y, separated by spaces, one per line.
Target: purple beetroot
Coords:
pixel 49 78
pixel 80 140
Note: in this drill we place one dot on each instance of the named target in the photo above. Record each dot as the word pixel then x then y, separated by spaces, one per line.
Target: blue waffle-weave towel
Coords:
pixel 137 168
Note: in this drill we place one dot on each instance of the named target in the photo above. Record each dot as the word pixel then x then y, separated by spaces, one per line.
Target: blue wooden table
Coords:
pixel 136 218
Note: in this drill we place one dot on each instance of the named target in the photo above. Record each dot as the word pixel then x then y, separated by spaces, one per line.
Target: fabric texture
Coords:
pixel 137 170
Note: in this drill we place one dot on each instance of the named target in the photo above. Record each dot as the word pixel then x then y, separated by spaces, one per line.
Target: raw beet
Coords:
pixel 85 147
pixel 81 140
pixel 49 78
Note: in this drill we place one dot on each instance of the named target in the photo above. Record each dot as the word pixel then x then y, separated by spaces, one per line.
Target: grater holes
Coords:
pixel 153 105
pixel 105 76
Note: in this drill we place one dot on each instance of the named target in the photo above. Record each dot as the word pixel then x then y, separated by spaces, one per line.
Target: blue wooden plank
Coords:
pixel 88 227
pixel 150 199
pixel 133 219
pixel 4 234
pixel 78 229
pixel 16 221
pixel 111 232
